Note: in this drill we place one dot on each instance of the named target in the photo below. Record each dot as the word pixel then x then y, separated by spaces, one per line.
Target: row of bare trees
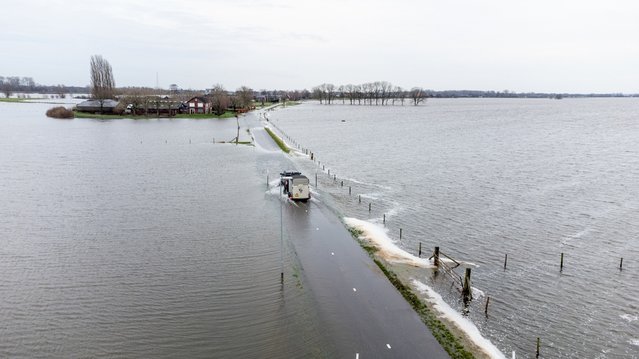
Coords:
pixel 12 84
pixel 221 100
pixel 371 93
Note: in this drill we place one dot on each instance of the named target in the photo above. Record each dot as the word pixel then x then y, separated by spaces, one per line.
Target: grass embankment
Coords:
pixel 79 114
pixel 258 105
pixel 227 114
pixel 291 103
pixel 277 140
pixel 11 99
pixel 445 337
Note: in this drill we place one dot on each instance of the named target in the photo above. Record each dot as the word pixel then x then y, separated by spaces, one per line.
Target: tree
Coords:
pixel 5 87
pixel 244 97
pixel 220 100
pixel 318 93
pixel 102 82
pixel 10 85
pixel 418 95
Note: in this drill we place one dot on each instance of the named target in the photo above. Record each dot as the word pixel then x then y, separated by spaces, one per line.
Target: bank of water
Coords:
pixel 482 178
pixel 142 238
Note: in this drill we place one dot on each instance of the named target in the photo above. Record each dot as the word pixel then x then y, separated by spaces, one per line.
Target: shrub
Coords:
pixel 60 112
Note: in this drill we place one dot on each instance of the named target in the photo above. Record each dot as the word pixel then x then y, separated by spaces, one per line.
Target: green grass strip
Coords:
pixel 11 99
pixel 445 337
pixel 449 342
pixel 196 116
pixel 227 114
pixel 79 114
pixel 277 140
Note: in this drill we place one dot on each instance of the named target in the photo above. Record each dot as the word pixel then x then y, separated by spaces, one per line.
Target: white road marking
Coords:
pixel 356 355
pixel 388 346
pixel 354 289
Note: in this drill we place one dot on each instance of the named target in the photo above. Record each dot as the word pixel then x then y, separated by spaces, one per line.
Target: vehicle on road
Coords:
pixel 295 185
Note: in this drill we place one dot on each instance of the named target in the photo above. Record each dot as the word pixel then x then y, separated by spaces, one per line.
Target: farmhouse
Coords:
pixel 199 104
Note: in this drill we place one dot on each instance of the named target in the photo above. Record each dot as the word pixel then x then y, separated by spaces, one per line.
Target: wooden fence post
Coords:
pixel 466 291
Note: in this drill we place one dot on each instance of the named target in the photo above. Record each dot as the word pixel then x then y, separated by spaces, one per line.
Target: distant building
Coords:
pixel 166 108
pixel 94 106
pixel 199 104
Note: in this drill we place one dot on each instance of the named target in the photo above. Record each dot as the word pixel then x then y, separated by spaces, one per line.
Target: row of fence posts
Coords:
pixel 466 290
pixel 561 262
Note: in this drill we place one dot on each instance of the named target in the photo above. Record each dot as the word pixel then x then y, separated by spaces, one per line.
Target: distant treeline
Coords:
pixel 13 84
pixel 372 93
pixel 384 93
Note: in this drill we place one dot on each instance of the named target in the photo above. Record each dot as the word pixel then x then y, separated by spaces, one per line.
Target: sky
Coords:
pixel 538 46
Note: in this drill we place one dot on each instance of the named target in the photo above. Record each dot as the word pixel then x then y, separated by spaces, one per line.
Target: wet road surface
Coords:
pixel 366 315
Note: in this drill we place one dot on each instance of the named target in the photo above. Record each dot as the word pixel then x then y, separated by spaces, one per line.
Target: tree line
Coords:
pixel 10 85
pixel 379 93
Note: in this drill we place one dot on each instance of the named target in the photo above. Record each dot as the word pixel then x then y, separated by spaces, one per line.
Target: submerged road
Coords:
pixel 363 313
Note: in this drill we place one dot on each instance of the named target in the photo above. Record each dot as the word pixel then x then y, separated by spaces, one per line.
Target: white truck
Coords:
pixel 295 185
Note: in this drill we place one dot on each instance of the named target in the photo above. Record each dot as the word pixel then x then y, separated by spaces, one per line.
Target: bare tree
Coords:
pixel 418 95
pixel 220 100
pixel 10 85
pixel 6 89
pixel 330 92
pixel 399 95
pixel 244 97
pixel 318 93
pixel 27 83
pixel 102 82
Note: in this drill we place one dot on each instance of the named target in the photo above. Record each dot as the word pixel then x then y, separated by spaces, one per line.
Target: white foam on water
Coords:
pixel 478 293
pixel 629 317
pixel 378 236
pixel 274 188
pixel 366 183
pixel 395 210
pixel 634 342
pixel 462 323
pixel 372 195
pixel 578 235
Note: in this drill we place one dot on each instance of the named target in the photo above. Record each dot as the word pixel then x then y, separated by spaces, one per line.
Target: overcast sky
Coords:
pixel 542 45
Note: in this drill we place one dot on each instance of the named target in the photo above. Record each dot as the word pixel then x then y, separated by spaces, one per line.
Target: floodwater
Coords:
pixel 485 178
pixel 142 238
